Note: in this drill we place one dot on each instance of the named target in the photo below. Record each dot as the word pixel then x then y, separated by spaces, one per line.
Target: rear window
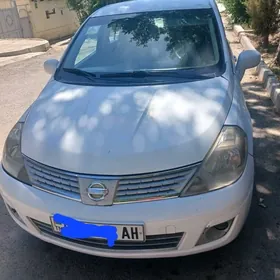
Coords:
pixel 152 41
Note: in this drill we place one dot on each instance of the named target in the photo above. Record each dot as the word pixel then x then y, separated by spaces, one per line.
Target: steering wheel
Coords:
pixel 180 52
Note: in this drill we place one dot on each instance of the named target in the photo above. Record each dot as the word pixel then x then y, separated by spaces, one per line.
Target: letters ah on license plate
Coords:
pixel 130 233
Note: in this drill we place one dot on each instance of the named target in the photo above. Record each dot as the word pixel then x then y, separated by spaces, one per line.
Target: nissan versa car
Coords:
pixel 143 129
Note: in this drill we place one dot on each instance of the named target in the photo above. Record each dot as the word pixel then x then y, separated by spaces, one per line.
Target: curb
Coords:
pixel 265 75
pixel 39 48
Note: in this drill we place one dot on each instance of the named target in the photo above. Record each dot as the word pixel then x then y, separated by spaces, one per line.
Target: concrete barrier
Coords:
pixel 265 75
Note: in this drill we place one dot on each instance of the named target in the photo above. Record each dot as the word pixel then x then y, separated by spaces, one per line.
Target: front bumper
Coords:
pixel 189 215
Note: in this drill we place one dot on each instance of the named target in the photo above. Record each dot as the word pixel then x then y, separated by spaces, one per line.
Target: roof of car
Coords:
pixel 137 6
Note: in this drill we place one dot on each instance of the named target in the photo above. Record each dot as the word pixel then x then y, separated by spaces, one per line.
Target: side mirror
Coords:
pixel 246 60
pixel 50 66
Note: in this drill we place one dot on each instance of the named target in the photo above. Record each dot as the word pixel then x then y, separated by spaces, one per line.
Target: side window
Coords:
pixel 89 45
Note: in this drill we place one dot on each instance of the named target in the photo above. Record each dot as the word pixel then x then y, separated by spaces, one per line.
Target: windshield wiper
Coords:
pixel 141 74
pixel 144 74
pixel 192 74
pixel 79 72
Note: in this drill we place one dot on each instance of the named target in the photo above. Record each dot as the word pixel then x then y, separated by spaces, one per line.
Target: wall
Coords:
pixel 60 24
pixel 5 4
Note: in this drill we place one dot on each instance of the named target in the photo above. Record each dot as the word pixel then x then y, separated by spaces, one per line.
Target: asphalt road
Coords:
pixel 255 254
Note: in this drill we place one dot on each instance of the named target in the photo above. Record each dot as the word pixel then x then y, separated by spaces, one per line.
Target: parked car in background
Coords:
pixel 140 145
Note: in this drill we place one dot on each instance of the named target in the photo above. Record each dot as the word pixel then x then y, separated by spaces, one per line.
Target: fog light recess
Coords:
pixel 214 233
pixel 14 213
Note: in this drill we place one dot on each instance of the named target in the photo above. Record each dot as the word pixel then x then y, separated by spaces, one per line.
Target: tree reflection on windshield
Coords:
pixel 186 36
pixel 151 41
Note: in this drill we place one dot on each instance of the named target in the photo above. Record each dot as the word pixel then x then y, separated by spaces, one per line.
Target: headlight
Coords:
pixel 223 165
pixel 12 157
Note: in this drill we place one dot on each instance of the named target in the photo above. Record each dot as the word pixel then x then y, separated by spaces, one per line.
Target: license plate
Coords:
pixel 128 233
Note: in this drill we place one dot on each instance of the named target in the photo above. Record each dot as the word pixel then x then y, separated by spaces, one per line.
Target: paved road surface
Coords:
pixel 254 255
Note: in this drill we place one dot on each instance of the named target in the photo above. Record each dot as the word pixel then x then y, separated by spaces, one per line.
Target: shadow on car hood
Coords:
pixel 125 130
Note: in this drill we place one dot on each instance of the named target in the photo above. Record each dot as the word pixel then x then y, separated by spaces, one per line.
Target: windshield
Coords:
pixel 151 42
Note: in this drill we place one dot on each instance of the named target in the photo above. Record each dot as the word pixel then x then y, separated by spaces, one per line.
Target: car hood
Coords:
pixel 125 130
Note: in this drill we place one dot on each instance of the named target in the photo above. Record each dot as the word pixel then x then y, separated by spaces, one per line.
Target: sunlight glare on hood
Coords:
pixel 38 129
pixel 142 98
pixel 106 108
pixel 72 141
pixel 173 108
pixel 69 95
pixel 88 122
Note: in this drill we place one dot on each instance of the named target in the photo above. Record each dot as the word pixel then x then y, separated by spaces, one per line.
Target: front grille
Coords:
pixel 153 242
pixel 53 180
pixel 154 185
pixel 129 188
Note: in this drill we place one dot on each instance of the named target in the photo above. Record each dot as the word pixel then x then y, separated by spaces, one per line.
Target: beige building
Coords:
pixel 47 19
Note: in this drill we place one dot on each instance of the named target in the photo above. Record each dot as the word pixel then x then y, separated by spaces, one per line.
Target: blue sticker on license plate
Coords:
pixel 72 228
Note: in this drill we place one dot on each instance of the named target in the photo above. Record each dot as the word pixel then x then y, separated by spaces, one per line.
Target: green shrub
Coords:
pixel 238 10
pixel 264 17
pixel 84 8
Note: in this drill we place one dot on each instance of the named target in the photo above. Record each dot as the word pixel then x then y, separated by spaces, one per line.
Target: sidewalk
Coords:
pixel 221 7
pixel 17 49
pixel 18 46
